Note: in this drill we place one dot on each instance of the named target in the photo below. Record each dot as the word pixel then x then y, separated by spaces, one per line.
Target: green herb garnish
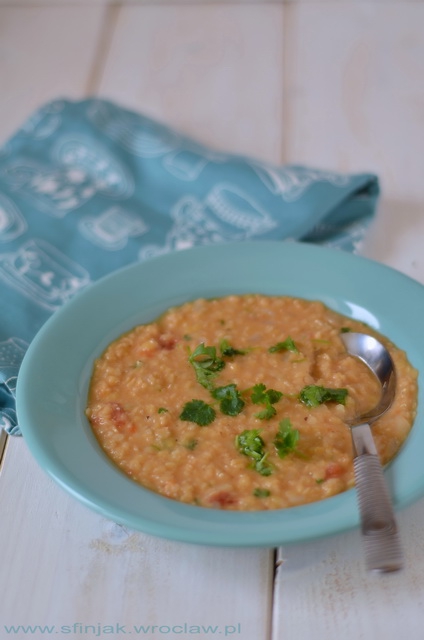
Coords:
pixel 162 410
pixel 206 364
pixel 345 330
pixel 199 412
pixel 287 345
pixel 267 397
pixel 314 395
pixel 267 413
pixel 228 350
pixel 250 444
pixel 261 395
pixel 286 439
pixel 191 444
pixel 261 493
pixel 230 401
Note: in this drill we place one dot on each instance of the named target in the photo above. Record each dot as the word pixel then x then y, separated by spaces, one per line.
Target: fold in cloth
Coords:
pixel 87 187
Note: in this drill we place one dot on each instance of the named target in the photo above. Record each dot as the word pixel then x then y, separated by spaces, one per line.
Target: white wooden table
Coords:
pixel 329 84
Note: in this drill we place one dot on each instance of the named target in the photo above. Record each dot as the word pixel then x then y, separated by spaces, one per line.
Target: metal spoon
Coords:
pixel 379 529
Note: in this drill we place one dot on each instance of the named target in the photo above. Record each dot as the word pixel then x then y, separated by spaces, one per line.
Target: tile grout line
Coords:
pixel 109 21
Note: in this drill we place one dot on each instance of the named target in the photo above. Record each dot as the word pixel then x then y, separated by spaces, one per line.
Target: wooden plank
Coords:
pixel 212 71
pixel 64 565
pixel 46 53
pixel 351 76
pixel 145 2
pixel 395 237
pixel 324 592
pixel 355 101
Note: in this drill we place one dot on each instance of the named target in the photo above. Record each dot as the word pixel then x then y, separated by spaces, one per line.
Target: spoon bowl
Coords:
pixel 378 359
pixel 378 524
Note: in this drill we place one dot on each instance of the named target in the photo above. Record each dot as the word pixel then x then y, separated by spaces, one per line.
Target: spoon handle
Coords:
pixel 379 529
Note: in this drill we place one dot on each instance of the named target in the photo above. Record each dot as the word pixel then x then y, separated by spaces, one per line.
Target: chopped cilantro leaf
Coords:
pixel 267 397
pixel 258 393
pixel 199 412
pixel 162 410
pixel 228 350
pixel 261 493
pixel 206 364
pixel 287 345
pixel 261 395
pixel 286 439
pixel 267 413
pixel 206 358
pixel 263 467
pixel 314 395
pixel 250 444
pixel 230 401
pixel 273 396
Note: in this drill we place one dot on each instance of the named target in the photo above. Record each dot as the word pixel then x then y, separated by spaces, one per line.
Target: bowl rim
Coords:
pixel 351 282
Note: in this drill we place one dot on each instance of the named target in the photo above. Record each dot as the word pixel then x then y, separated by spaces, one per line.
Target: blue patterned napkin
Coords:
pixel 88 187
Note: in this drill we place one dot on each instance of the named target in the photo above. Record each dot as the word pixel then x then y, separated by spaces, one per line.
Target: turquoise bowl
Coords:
pixel 54 378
